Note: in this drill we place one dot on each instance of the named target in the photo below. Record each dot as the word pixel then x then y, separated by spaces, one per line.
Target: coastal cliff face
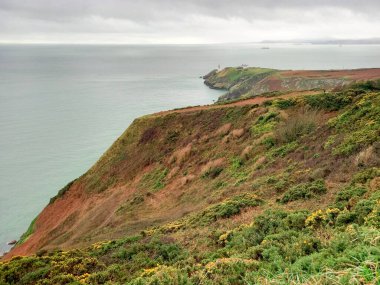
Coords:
pixel 253 81
pixel 222 193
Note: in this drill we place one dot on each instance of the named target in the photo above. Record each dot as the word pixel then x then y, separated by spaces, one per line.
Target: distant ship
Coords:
pixel 265 48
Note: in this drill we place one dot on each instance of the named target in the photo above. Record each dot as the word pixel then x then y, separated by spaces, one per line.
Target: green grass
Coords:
pixel 24 237
pixel 360 123
pixel 62 192
pixel 154 180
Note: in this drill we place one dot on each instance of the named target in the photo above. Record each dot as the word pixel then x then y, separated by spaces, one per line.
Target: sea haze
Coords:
pixel 62 106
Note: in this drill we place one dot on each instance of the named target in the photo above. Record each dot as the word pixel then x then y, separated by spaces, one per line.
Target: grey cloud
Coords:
pixel 168 18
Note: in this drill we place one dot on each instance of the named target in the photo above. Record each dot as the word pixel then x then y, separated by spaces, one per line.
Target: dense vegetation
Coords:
pixel 292 199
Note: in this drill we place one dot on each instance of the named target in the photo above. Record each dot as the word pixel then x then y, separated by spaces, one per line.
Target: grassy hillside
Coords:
pixel 281 190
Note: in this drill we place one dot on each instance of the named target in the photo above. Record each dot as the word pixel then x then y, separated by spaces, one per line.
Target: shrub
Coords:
pixel 304 191
pixel 302 123
pixel 366 175
pixel 373 218
pixel 345 217
pixel 296 220
pixel 328 101
pixel 360 124
pixel 284 103
pixel 362 209
pixel 226 209
pixel 349 192
pixel 322 218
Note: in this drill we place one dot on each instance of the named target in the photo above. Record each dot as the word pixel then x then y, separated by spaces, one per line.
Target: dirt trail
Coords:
pixel 252 101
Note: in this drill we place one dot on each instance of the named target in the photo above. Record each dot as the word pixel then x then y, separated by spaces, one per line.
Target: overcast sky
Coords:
pixel 190 21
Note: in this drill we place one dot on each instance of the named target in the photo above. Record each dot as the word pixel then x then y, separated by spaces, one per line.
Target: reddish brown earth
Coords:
pixel 252 101
pixel 354 74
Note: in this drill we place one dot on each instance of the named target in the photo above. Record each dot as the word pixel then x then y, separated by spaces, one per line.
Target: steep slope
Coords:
pixel 269 190
pixel 247 82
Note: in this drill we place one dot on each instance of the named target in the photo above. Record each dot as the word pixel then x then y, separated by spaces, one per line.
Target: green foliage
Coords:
pixel 304 191
pixel 283 150
pixel 277 247
pixel 237 170
pixel 154 180
pixel 56 268
pixel 225 209
pixel 349 192
pixel 366 175
pixel 284 103
pixel 264 124
pixel 329 142
pixel 362 212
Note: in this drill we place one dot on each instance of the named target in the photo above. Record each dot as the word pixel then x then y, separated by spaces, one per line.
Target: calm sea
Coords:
pixel 62 106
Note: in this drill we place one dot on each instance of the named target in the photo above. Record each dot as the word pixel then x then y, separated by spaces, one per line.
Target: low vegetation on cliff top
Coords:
pixel 286 192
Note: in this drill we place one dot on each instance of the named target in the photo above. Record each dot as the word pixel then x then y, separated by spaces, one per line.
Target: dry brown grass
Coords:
pixel 181 155
pixel 223 130
pixel 369 156
pixel 238 133
pixel 213 164
pixel 302 123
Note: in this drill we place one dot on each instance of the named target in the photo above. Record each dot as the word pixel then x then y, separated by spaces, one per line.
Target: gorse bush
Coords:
pixel 366 175
pixel 284 103
pixel 329 101
pixel 304 191
pixel 225 209
pixel 360 123
pixel 349 192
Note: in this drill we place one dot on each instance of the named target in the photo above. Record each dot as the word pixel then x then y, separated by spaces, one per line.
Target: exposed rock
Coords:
pixel 12 242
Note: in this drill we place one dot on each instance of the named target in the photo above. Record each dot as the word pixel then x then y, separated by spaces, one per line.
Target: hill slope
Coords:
pixel 270 190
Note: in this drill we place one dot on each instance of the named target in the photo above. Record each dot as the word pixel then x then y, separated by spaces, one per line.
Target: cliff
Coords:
pixel 280 188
